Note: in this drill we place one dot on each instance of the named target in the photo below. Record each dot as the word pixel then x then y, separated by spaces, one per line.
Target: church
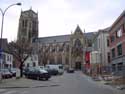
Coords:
pixel 68 50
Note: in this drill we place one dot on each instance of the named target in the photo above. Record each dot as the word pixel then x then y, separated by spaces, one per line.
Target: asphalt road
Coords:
pixel 75 83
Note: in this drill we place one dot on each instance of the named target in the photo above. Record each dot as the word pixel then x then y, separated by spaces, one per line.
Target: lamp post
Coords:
pixel 3 14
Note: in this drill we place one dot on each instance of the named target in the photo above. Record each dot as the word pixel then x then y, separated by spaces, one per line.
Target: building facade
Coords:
pixel 117 44
pixel 101 44
pixel 68 50
pixel 6 58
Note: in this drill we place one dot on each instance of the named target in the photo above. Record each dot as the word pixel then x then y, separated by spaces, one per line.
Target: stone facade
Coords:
pixel 28 26
pixel 68 50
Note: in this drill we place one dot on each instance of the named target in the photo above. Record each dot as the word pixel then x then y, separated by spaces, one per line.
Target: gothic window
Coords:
pixel 77 47
pixel 22 23
pixel 89 43
pixel 26 23
pixel 77 44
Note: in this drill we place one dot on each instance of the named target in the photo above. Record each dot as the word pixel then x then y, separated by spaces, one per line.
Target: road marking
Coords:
pixel 10 92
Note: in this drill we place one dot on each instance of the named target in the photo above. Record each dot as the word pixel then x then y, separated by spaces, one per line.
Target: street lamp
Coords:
pixel 3 14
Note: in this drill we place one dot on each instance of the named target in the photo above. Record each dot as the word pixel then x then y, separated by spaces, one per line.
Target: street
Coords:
pixel 76 83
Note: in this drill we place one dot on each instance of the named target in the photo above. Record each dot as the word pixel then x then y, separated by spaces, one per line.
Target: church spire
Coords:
pixel 78 29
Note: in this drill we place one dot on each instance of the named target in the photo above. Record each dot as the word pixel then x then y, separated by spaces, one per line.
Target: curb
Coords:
pixel 7 87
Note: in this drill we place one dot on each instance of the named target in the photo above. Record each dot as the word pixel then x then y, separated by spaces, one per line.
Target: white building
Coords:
pixel 31 61
pixel 101 44
pixel 6 60
pixel 95 57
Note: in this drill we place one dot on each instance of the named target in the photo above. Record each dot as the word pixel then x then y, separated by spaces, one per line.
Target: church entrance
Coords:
pixel 78 65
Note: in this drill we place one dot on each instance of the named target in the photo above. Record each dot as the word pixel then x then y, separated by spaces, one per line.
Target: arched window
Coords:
pixel 77 44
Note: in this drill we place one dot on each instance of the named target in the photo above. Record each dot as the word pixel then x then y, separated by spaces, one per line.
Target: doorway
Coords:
pixel 78 65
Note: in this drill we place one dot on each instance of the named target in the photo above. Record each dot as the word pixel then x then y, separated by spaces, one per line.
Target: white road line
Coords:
pixel 10 92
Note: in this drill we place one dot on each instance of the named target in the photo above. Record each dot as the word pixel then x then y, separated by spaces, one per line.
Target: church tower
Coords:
pixel 28 26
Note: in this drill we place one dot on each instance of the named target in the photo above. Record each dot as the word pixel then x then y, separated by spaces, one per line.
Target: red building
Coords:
pixel 117 44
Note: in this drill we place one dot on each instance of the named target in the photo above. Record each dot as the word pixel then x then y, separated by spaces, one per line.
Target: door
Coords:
pixel 78 65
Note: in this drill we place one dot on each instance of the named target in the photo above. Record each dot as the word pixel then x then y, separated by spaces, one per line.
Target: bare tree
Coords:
pixel 21 50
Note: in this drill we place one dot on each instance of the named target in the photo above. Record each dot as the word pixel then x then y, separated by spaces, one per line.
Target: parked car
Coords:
pixel 6 74
pixel 13 71
pixel 70 70
pixel 55 69
pixel 27 71
pixel 37 73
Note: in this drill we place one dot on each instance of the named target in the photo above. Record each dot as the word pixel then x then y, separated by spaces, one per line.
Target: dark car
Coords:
pixel 37 73
pixel 13 71
pixel 6 74
pixel 51 71
pixel 70 70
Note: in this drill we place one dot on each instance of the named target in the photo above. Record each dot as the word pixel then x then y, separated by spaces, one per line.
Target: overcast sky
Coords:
pixel 60 17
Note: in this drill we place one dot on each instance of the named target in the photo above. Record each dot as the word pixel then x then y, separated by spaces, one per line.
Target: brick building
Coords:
pixel 117 44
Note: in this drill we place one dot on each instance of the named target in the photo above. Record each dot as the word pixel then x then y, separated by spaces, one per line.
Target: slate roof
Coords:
pixel 62 38
pixel 52 39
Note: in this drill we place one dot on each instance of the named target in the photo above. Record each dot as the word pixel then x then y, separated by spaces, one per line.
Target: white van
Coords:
pixel 58 67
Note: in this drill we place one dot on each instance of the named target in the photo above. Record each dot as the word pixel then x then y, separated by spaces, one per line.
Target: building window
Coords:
pixel 119 66
pixel 34 64
pixel 113 67
pixel 28 64
pixel 10 58
pixel 119 33
pixel 22 23
pixel 99 43
pixel 107 42
pixel 108 57
pixel 26 23
pixel 113 52
pixel 7 57
pixel 119 49
pixel 112 38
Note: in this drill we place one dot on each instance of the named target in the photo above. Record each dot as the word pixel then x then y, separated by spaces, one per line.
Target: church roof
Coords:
pixel 52 39
pixel 62 38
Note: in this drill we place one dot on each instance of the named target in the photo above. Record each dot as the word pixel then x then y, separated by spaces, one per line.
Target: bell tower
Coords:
pixel 28 26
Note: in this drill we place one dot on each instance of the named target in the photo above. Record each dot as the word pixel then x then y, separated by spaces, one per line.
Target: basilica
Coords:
pixel 68 50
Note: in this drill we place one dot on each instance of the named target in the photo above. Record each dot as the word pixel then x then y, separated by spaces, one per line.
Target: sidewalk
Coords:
pixel 107 82
pixel 24 83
